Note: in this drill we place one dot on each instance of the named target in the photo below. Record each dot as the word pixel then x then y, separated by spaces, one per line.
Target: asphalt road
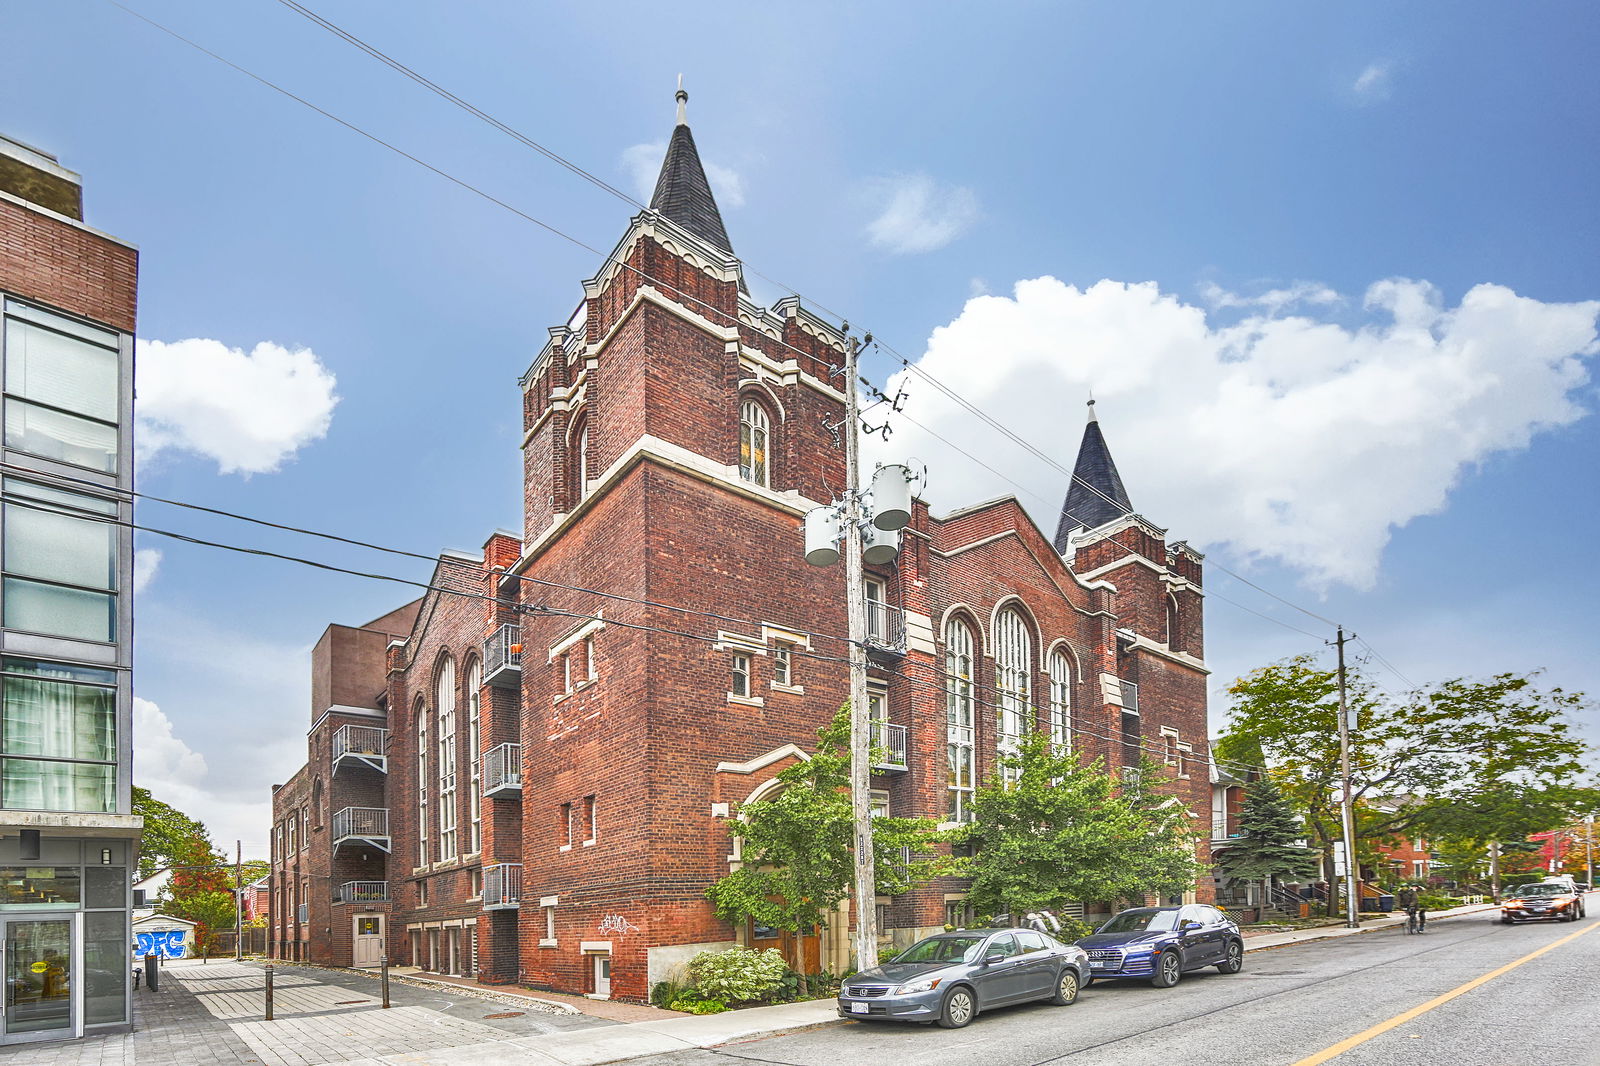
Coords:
pixel 1288 1005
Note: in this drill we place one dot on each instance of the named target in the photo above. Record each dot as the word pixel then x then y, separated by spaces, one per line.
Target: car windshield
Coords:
pixel 1543 890
pixel 942 949
pixel 1142 922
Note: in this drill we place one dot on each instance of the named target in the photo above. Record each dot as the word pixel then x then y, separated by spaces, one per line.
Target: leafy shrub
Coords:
pixel 1073 930
pixel 665 992
pixel 689 1003
pixel 738 974
pixel 1437 901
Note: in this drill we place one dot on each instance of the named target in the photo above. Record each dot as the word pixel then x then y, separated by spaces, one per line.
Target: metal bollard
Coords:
pixel 269 993
pixel 152 972
pixel 385 981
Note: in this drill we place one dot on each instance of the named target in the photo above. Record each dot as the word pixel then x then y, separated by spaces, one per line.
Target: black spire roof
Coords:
pixel 682 192
pixel 1096 495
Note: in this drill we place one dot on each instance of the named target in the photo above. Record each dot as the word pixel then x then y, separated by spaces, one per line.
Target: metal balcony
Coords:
pixel 502 886
pixel 363 892
pixel 362 827
pixel 502 658
pixel 888 746
pixel 886 628
pixel 502 770
pixel 361 745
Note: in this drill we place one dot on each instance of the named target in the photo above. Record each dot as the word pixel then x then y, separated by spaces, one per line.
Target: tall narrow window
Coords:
pixel 591 822
pixel 1060 701
pixel 958 701
pixel 61 391
pixel 475 754
pixel 781 675
pixel 877 610
pixel 580 446
pixel 1174 633
pixel 566 826
pixel 741 676
pixel 59 738
pixel 754 430
pixel 421 711
pixel 1013 681
pixel 60 560
pixel 445 700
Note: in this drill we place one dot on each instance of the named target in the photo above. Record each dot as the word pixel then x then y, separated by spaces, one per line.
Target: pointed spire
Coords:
pixel 682 192
pixel 1096 495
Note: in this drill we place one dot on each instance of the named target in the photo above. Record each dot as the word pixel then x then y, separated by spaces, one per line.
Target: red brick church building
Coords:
pixel 527 775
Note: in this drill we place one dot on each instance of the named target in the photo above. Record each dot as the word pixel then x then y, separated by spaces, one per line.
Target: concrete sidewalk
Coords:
pixel 1267 941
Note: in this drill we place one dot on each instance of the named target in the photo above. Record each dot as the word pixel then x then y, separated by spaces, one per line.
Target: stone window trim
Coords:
pixel 548 905
pixel 741 682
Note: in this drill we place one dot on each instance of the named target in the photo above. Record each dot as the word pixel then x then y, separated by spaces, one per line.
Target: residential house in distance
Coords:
pixel 575 714
pixel 68 837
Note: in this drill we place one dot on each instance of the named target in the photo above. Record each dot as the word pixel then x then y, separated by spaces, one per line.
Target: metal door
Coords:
pixel 39 974
pixel 367 940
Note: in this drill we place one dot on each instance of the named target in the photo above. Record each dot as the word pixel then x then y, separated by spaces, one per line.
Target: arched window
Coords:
pixel 444 690
pixel 959 733
pixel 754 431
pixel 1173 632
pixel 475 754
pixel 421 713
pixel 1013 656
pixel 1060 701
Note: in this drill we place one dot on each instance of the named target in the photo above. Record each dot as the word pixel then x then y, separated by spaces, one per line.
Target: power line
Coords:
pixel 407 71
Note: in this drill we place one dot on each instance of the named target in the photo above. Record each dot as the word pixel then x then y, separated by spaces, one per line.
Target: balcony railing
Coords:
pixel 367 826
pixel 502 886
pixel 363 892
pixel 360 745
pixel 502 770
pixel 886 626
pixel 888 746
pixel 502 658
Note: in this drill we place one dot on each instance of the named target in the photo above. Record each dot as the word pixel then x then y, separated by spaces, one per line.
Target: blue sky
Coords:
pixel 1220 193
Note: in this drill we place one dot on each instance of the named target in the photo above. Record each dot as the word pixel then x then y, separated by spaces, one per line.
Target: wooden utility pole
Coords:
pixel 1347 809
pixel 866 887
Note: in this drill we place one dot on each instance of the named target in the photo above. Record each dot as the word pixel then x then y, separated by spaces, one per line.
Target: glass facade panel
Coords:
pixel 36 785
pixel 40 886
pixel 58 719
pixel 60 611
pixel 60 547
pixel 105 886
pixel 105 965
pixel 38 973
pixel 57 435
pixel 60 371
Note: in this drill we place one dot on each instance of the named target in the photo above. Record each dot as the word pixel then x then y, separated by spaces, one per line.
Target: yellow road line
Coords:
pixel 1400 1019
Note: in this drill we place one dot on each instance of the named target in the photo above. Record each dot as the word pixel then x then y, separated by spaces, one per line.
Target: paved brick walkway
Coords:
pixel 210 1014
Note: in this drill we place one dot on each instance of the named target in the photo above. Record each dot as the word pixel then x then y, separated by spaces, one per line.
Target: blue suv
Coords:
pixel 1161 944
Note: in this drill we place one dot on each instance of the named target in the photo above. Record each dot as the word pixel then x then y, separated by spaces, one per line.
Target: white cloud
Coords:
pixel 917 214
pixel 146 561
pixel 1372 84
pixel 643 165
pixel 1272 301
pixel 1293 439
pixel 163 763
pixel 248 412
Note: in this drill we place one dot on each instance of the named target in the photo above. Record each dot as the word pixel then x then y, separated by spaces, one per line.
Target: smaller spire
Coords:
pixel 683 103
pixel 1092 416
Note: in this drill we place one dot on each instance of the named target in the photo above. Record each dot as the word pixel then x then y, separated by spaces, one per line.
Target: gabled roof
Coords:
pixel 1096 495
pixel 683 195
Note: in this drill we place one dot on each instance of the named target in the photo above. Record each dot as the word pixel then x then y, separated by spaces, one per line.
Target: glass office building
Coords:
pixel 68 837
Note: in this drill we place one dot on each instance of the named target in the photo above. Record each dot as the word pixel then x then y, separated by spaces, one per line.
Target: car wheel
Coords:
pixel 959 1007
pixel 1066 988
pixel 1508 921
pixel 1235 959
pixel 1168 970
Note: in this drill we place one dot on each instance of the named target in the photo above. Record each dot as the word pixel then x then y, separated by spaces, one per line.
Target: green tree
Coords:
pixel 1268 844
pixel 1489 759
pixel 796 848
pixel 1064 831
pixel 166 831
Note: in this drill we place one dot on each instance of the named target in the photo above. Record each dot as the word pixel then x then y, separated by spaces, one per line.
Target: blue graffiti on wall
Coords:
pixel 168 943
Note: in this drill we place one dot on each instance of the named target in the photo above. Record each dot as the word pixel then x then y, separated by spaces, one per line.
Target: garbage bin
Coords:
pixel 1384 903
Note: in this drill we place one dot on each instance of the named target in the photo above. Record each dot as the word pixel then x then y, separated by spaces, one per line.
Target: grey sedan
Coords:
pixel 949 978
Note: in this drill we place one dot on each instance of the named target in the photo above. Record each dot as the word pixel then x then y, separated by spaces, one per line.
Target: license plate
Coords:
pixel 858 1008
pixel 1098 965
